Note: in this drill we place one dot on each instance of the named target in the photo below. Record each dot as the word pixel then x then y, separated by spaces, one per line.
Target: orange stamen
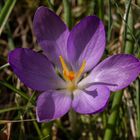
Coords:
pixel 71 75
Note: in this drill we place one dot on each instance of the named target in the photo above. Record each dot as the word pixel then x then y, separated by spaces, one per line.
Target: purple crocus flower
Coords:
pixel 68 72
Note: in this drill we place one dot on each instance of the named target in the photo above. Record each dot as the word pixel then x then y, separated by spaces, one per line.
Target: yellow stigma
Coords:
pixel 71 75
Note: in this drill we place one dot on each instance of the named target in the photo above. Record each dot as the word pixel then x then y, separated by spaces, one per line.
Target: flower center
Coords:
pixel 70 76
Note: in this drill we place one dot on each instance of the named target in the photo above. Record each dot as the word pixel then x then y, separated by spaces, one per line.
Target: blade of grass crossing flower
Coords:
pixel 5 12
pixel 67 13
pixel 128 38
pixel 118 95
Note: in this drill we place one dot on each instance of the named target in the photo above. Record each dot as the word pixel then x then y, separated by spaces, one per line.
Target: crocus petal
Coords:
pixel 86 42
pixel 51 34
pixel 91 100
pixel 119 70
pixel 34 70
pixel 52 105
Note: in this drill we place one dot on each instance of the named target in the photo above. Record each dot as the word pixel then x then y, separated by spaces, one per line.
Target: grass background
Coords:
pixel 120 120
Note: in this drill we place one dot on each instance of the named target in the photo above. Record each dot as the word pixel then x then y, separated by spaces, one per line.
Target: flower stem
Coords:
pixel 73 122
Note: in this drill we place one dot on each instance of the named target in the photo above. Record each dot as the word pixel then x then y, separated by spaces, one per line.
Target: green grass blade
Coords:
pixel 67 13
pixel 50 5
pixel 36 126
pixel 22 94
pixel 14 108
pixel 129 22
pixel 113 116
pixel 109 21
pixel 138 107
pixel 128 39
pixel 4 66
pixel 5 13
pixel 101 12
